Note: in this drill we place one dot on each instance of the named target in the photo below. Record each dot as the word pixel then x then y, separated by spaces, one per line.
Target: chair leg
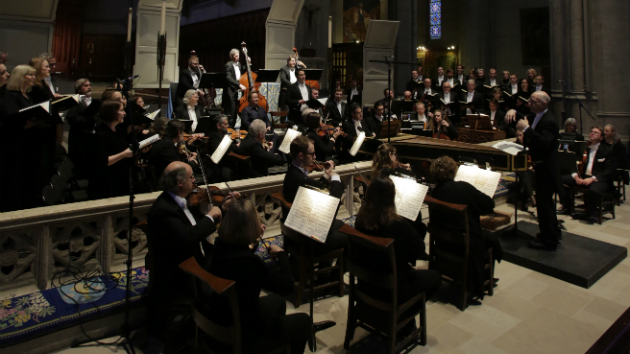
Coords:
pixel 491 273
pixel 342 291
pixel 352 322
pixel 601 211
pixel 423 320
pixel 302 282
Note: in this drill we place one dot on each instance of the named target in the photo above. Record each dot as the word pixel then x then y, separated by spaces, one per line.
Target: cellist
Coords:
pixel 442 127
pixel 233 70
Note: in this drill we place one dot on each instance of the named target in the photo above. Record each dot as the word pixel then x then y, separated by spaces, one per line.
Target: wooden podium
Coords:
pixel 481 130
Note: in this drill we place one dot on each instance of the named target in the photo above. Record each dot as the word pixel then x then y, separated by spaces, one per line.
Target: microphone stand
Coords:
pixel 566 91
pixel 161 58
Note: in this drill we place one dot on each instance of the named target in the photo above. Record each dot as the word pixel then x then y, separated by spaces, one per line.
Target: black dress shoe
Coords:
pixel 545 246
pixel 592 220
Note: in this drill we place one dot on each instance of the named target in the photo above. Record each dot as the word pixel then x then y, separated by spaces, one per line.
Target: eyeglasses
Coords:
pixel 309 153
pixel 192 178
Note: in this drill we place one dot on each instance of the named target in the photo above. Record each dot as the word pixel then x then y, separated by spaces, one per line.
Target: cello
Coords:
pixel 249 80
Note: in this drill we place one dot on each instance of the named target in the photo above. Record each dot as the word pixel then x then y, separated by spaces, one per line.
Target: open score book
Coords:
pixel 484 180
pixel 312 213
pixel 409 197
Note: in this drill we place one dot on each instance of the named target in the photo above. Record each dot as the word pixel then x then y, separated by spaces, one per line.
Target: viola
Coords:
pixel 440 135
pixel 237 134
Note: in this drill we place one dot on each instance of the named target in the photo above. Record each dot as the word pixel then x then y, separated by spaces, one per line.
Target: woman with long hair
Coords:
pixel 441 126
pixel 111 158
pixel 264 323
pixel 387 156
pixel 524 93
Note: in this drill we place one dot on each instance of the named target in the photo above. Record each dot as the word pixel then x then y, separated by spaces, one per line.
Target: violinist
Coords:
pixel 299 94
pixel 387 156
pixel 302 157
pixel 442 127
pixel 599 170
pixel 336 109
pixel 233 70
pixel 325 143
pixel 189 80
pixel 254 145
pixel 190 110
pixel 111 158
pixel 376 119
pixel 353 127
pixel 226 169
pixel 176 232
pixel 288 77
pixel 166 150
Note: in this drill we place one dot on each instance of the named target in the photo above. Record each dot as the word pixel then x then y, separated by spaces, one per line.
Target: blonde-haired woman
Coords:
pixel 17 189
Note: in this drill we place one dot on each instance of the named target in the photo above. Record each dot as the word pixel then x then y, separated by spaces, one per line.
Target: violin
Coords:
pixel 318 166
pixel 237 134
pixel 187 137
pixel 211 194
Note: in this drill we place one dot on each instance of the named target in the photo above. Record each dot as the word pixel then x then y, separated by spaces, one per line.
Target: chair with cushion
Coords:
pixel 383 318
pixel 299 246
pixel 229 335
pixel 449 250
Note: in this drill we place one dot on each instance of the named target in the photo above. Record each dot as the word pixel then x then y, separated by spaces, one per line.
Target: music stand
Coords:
pixel 212 81
pixel 266 76
pixel 388 129
pixel 479 122
pixel 204 125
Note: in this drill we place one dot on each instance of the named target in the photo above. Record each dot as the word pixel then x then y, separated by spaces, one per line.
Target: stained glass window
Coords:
pixel 435 13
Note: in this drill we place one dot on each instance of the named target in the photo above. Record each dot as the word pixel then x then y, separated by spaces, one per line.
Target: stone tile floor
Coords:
pixel 529 312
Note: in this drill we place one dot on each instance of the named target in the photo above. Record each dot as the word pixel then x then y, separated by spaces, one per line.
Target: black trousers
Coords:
pixel 280 329
pixel 229 105
pixel 596 191
pixel 545 189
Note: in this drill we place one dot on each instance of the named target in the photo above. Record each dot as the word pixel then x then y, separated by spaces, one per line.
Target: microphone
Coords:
pixel 132 77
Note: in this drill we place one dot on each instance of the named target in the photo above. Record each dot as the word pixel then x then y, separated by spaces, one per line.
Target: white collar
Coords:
pixel 190 108
pixel 301 169
pixel 595 146
pixel 179 200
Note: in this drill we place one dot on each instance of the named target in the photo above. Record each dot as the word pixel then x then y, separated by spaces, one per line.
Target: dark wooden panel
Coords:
pixel 107 60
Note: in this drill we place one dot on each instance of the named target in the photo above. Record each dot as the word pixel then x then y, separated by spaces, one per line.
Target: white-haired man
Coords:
pixel 190 110
pixel 233 70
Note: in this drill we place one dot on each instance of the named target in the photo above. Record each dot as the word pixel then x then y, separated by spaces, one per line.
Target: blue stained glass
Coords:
pixel 435 19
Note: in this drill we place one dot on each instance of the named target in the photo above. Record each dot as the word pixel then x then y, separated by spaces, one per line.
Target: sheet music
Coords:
pixel 149 141
pixel 312 213
pixel 409 197
pixel 45 105
pixel 75 97
pixel 218 154
pixel 357 144
pixel 288 138
pixel 509 147
pixel 485 181
pixel 152 115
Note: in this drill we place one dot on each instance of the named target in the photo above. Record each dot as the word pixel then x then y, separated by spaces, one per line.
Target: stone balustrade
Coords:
pixel 37 243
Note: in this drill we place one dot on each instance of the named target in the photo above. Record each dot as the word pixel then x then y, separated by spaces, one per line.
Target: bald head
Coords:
pixel 539 101
pixel 178 178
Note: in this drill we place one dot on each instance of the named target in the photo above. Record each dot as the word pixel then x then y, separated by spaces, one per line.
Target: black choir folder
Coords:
pixel 39 113
pixel 67 102
pixel 312 213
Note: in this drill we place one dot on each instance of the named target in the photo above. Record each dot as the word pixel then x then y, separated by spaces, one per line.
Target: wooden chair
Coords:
pixel 308 259
pixel 361 305
pixel 454 267
pixel 229 335
pixel 620 185
pixel 605 205
pixel 279 114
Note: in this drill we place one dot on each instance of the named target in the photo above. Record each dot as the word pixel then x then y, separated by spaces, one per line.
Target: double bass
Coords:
pixel 249 80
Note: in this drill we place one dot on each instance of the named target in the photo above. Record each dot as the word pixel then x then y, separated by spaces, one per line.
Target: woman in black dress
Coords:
pixel 264 323
pixel 111 158
pixel 377 217
pixel 524 92
pixel 18 189
pixel 441 126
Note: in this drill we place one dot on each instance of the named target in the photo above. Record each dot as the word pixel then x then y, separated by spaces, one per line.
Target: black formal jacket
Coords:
pixel 499 119
pixel 604 164
pixel 185 83
pixel 232 81
pixel 351 134
pixel 295 95
pixel 108 181
pixel 478 101
pixel 454 102
pixel 323 145
pixel 261 158
pixel 355 98
pixel 543 146
pixel 295 178
pixel 249 114
pixel 81 132
pixel 285 77
pixel 173 239
pixel 163 153
pixel 333 113
pixel 435 82
pixel 413 85
pixel 181 112
pixel 375 124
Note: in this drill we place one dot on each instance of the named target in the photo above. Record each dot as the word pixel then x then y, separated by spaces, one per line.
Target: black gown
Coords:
pixel 108 181
pixel 45 135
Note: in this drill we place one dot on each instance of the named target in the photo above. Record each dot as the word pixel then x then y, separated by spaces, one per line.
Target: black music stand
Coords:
pixel 266 76
pixel 313 74
pixel 212 81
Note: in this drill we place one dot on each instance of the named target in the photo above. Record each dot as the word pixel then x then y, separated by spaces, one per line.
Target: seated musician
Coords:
pixel 165 150
pixel 570 136
pixel 354 92
pixel 619 152
pixel 159 126
pixel 265 326
pixel 253 112
pixel 315 96
pixel 335 109
pixel 448 102
pixel 497 117
pixel 377 217
pixel 190 110
pixel 226 169
pixel 441 127
pixel 189 80
pixel 407 96
pixel 443 171
pixel 420 114
pixel 299 94
pixel 599 170
pixel 353 126
pixel 111 157
pixel 526 194
pixel 252 145
pixel 524 93
pixel 376 119
pixel 303 155
pixel 473 98
pixel 176 232
pixel 324 144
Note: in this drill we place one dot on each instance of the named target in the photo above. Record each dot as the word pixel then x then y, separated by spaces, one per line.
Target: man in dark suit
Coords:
pixel 299 94
pixel 448 101
pixel 261 158
pixel 302 155
pixel 376 119
pixel 354 92
pixel 228 168
pixel 190 110
pixel 352 127
pixel 439 79
pixel 335 109
pixel 472 99
pixel 426 93
pixel 542 140
pixel 415 83
pixel 233 70
pixel 461 78
pixel 497 117
pixel 288 77
pixel 175 233
pixel 481 81
pixel 599 170
pixel 540 85
pixel 164 151
pixel 253 112
pixel 188 80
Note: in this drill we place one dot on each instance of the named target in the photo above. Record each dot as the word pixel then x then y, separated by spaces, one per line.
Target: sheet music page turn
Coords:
pixel 484 180
pixel 288 138
pixel 217 155
pixel 357 144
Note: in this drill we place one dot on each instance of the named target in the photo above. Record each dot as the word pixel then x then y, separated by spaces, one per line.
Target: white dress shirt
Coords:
pixel 538 88
pixel 292 76
pixel 354 92
pixel 50 85
pixel 357 125
pixel 460 78
pixel 514 88
pixel 591 159
pixel 470 97
pixel 195 78
pixel 304 92
pixel 492 114
pixel 447 98
pixel 183 205
pixel 427 90
pixel 193 116
pixel 451 81
pixel 440 79
pixel 493 82
pixel 87 100
pixel 339 107
pixel 237 71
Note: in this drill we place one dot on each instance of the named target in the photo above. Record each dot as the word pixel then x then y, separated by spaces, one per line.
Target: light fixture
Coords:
pixel 357 42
